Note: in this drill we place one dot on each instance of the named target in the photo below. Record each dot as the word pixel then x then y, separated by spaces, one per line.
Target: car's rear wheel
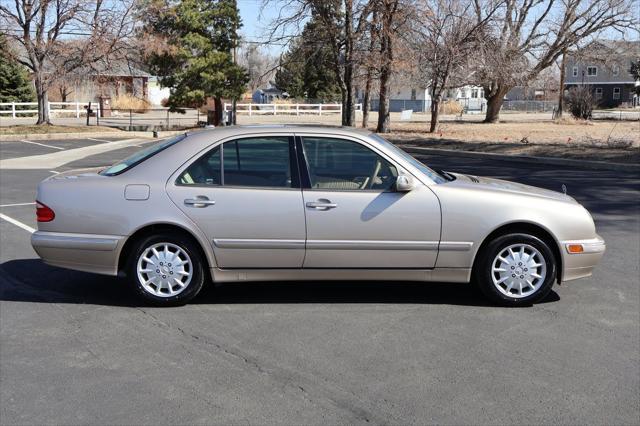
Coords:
pixel 516 270
pixel 167 269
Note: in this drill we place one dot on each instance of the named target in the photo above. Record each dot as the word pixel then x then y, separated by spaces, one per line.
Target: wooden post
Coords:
pixel 13 109
pixel 319 109
pixel 77 109
pixel 250 104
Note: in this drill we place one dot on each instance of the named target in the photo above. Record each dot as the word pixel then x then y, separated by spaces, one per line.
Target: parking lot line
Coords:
pixel 41 144
pixel 98 140
pixel 17 223
pixel 17 204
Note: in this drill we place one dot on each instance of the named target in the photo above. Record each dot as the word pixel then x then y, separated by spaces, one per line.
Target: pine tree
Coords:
pixel 15 85
pixel 307 69
pixel 197 63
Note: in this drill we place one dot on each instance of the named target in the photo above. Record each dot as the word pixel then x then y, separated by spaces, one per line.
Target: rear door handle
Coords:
pixel 321 204
pixel 200 201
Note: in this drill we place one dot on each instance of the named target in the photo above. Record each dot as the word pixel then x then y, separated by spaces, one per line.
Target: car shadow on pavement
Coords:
pixel 30 280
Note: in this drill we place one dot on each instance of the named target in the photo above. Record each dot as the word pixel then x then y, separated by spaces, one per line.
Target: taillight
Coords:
pixel 44 213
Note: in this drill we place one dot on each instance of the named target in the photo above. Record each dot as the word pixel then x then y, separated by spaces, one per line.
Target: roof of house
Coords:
pixel 629 48
pixel 116 69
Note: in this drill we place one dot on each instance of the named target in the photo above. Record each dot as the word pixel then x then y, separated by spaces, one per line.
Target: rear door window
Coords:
pixel 250 162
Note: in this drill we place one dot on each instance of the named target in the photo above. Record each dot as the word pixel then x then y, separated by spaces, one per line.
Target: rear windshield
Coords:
pixel 140 156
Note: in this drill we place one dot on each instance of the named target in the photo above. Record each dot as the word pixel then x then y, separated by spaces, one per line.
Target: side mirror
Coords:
pixel 404 183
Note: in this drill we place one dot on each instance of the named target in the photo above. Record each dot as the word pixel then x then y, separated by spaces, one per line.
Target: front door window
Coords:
pixel 338 164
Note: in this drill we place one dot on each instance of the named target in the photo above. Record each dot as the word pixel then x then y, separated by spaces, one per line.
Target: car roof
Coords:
pixel 223 131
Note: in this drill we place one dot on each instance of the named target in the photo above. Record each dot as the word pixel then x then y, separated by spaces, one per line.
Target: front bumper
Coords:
pixel 83 252
pixel 580 265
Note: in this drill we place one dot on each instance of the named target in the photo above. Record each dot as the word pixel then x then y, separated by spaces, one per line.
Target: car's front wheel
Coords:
pixel 167 269
pixel 516 270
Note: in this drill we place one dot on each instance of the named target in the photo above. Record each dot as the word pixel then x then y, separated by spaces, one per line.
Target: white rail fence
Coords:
pixel 76 109
pixel 288 109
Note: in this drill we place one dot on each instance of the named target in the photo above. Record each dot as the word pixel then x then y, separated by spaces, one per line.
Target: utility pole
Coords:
pixel 235 62
pixel 562 78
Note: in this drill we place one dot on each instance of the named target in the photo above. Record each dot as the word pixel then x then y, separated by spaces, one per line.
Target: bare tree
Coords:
pixel 260 66
pixel 344 21
pixel 369 61
pixel 56 37
pixel 444 40
pixel 388 13
pixel 528 36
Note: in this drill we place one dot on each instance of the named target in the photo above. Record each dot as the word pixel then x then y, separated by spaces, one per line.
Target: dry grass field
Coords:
pixel 515 134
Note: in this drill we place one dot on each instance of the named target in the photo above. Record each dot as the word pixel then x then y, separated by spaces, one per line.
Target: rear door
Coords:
pixel 244 194
pixel 355 218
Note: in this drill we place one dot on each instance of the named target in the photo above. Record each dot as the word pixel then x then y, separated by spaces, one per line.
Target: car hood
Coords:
pixel 502 186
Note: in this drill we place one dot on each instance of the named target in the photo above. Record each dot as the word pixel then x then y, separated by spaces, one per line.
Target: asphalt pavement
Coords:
pixel 78 348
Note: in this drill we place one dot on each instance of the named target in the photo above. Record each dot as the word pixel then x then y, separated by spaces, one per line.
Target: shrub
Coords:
pixel 128 101
pixel 450 107
pixel 580 102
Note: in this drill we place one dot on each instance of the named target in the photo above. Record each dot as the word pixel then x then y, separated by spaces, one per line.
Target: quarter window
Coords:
pixel 575 71
pixel 338 164
pixel 250 162
pixel 615 70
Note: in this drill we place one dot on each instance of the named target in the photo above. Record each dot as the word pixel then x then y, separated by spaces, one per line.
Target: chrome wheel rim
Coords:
pixel 518 271
pixel 164 270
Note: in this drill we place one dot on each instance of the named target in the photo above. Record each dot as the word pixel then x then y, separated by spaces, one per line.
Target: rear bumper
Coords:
pixel 580 265
pixel 83 252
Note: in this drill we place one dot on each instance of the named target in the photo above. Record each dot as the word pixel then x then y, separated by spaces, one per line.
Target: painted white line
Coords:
pixel 17 223
pixel 98 140
pixel 56 159
pixel 17 204
pixel 41 144
pixel 54 172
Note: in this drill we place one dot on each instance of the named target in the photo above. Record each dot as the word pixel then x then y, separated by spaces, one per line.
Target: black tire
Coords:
pixel 483 270
pixel 197 269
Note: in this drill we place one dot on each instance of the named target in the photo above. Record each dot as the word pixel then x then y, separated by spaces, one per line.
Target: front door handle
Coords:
pixel 321 204
pixel 200 201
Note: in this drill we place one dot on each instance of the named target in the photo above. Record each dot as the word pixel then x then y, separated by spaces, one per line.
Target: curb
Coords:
pixel 78 135
pixel 583 164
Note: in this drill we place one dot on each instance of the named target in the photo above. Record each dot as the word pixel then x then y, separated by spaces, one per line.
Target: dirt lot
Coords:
pixel 617 141
pixel 596 133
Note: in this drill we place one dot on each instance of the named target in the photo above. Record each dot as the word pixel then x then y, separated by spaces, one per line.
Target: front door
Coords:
pixel 355 218
pixel 245 196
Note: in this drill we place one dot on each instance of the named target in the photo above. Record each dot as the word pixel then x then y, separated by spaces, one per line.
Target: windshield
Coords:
pixel 433 175
pixel 140 156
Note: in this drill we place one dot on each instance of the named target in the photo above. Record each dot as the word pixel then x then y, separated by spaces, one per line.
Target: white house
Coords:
pixel 404 97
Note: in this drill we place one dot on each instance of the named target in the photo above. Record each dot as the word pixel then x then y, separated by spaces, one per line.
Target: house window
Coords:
pixel 616 93
pixel 615 70
pixel 474 93
pixel 413 94
pixel 575 71
pixel 592 71
pixel 598 92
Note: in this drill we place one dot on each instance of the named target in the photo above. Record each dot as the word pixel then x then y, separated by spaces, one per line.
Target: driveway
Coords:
pixel 77 348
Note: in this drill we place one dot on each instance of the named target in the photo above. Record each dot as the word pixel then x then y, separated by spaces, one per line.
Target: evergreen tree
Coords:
pixel 15 85
pixel 196 62
pixel 307 69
